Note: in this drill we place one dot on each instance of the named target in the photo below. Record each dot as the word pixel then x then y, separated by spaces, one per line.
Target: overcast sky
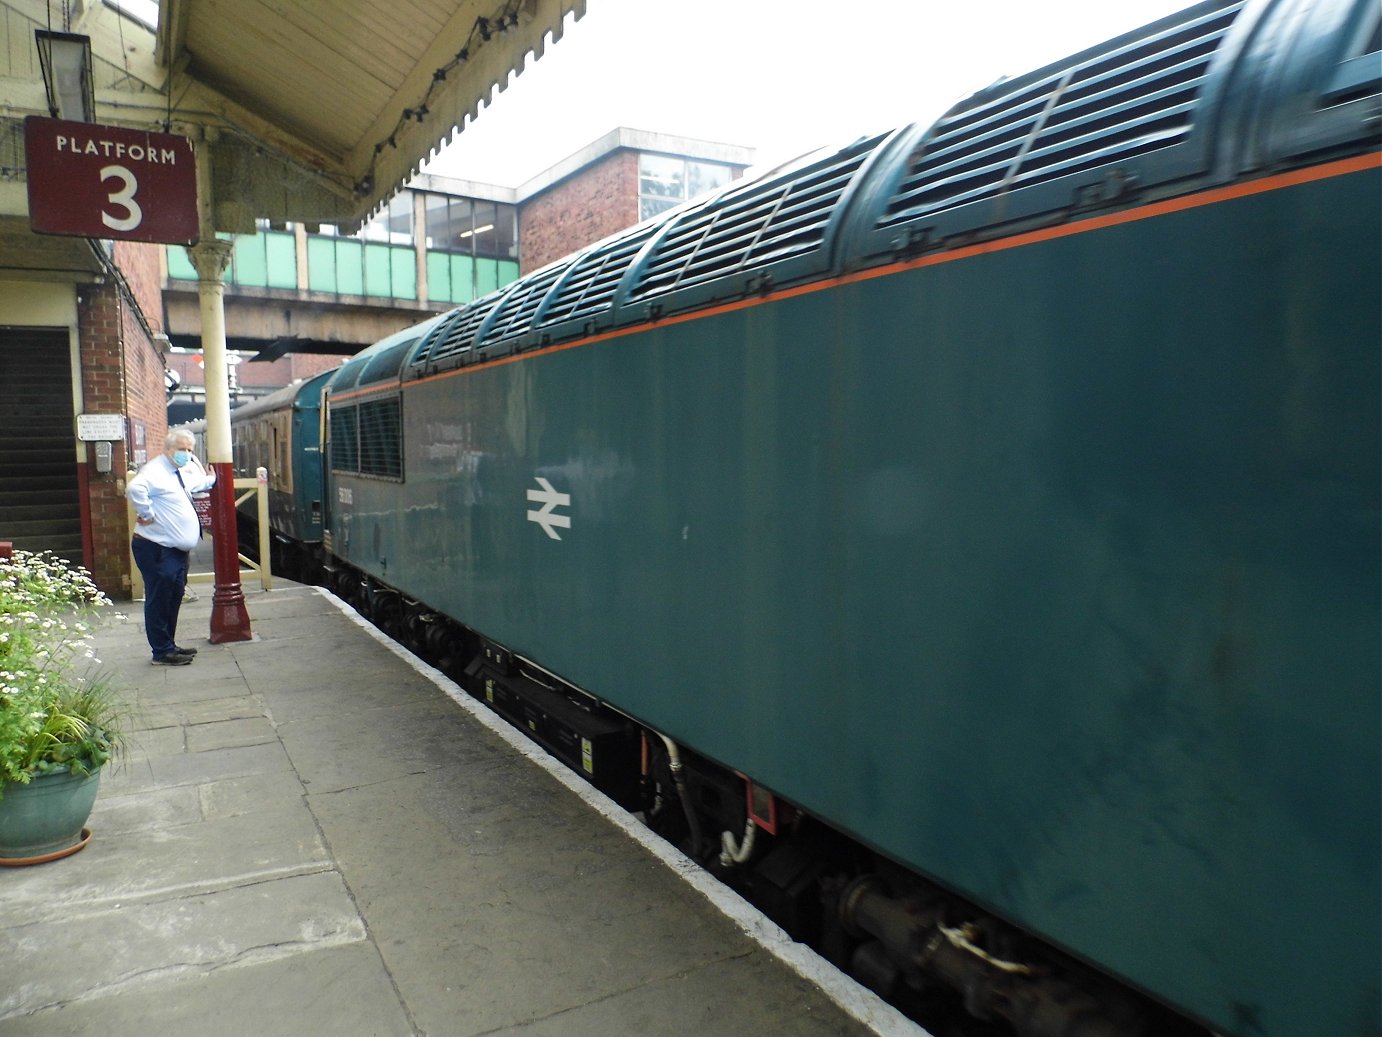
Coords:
pixel 780 76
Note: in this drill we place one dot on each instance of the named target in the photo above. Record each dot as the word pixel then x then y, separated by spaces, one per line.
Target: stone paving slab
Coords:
pixel 309 836
pixel 158 941
pixel 342 991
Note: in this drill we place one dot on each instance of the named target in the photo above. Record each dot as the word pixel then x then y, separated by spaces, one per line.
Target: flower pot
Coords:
pixel 43 820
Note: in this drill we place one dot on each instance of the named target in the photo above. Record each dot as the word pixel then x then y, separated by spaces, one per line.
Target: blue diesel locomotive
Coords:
pixel 966 541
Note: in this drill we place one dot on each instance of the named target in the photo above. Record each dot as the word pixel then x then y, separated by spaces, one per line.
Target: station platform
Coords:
pixel 313 832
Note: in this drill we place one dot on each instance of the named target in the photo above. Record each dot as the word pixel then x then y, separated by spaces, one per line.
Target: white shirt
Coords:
pixel 158 494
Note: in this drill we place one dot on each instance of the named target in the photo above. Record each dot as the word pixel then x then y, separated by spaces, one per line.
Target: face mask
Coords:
pixel 181 457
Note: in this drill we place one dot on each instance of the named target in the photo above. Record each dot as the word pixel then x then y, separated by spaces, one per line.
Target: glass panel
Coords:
pixel 484 241
pixel 400 218
pixel 403 267
pixel 434 207
pixel 506 231
pixel 462 279
pixel 378 280
pixel 452 223
pixel 439 278
pixel 486 276
pixel 661 176
pixel 350 267
pixel 321 264
pixel 251 267
pixel 705 176
pixel 508 271
pixel 282 255
pixel 179 266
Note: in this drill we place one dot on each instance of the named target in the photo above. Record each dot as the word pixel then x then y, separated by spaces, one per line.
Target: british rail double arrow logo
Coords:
pixel 550 500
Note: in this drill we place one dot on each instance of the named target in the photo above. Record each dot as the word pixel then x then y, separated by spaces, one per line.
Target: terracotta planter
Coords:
pixel 44 819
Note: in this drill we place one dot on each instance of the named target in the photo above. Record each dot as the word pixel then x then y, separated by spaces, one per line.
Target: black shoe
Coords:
pixel 172 659
pixel 184 651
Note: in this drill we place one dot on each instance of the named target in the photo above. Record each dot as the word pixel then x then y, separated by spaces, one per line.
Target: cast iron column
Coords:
pixel 230 620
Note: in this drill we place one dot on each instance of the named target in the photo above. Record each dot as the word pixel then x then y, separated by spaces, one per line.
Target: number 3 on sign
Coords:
pixel 124 198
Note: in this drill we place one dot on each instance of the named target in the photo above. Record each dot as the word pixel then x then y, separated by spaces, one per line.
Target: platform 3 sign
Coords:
pixel 110 182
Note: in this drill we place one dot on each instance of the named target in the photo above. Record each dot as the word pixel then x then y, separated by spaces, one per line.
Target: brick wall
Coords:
pixel 121 373
pixel 600 200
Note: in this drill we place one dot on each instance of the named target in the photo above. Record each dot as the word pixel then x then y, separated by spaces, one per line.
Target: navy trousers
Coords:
pixel 165 577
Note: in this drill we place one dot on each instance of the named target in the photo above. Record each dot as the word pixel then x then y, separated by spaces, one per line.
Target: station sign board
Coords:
pixel 97 181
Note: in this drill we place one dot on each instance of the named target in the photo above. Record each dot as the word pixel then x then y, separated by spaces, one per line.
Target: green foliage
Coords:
pixel 56 712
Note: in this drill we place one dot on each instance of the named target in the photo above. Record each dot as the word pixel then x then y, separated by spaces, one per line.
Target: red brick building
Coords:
pixel 621 179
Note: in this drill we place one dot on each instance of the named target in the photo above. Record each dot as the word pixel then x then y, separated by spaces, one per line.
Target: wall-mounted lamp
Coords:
pixel 66 61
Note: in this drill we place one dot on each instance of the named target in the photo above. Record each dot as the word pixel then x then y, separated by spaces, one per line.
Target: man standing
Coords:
pixel 167 528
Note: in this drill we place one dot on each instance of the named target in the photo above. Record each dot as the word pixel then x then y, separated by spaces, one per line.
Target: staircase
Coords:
pixel 39 506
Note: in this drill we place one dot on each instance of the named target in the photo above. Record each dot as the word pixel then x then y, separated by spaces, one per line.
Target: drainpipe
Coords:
pixel 230 620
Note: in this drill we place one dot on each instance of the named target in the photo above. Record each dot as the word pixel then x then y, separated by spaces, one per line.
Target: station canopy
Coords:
pixel 313 112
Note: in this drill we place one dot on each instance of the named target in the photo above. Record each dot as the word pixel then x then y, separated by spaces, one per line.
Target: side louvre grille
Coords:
pixel 381 438
pixel 345 439
pixel 1134 99
pixel 763 223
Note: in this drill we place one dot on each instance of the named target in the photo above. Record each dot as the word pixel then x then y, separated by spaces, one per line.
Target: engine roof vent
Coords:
pixel 460 331
pixel 1134 96
pixel 753 226
pixel 591 281
pixel 514 315
pixel 433 335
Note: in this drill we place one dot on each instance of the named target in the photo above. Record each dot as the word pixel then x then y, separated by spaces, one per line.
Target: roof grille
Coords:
pixel 765 222
pixel 1137 98
pixel 515 314
pixel 461 332
pixel 594 277
pixel 434 335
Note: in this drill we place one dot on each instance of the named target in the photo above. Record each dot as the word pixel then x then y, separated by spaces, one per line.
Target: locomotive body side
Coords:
pixel 1047 565
pixel 1050 572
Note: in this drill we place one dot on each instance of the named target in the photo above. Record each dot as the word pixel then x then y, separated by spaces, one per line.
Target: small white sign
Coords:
pixel 101 428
